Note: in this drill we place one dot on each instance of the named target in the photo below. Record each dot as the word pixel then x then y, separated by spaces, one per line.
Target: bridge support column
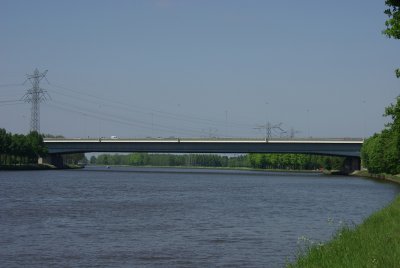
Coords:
pixel 351 164
pixel 55 160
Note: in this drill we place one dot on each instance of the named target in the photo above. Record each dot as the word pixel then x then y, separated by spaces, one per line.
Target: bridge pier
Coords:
pixel 55 160
pixel 351 164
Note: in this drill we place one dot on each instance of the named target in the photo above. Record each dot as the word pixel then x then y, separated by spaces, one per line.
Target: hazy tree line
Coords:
pixel 262 161
pixel 381 152
pixel 16 149
pixel 146 159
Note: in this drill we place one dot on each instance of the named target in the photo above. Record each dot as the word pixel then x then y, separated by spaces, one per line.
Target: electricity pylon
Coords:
pixel 35 95
pixel 269 128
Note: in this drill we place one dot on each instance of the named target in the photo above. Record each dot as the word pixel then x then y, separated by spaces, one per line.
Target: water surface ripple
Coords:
pixel 137 217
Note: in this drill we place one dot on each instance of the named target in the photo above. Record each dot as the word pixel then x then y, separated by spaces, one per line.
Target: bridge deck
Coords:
pixel 343 147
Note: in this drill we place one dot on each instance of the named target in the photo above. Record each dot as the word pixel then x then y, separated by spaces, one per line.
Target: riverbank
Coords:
pixel 374 243
pixel 27 167
pixel 385 177
pixel 218 168
pixel 36 167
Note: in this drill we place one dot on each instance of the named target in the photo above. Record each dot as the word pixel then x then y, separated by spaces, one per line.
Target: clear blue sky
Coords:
pixel 198 68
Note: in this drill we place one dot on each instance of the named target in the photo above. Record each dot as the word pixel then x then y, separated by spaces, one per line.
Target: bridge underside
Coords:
pixel 346 149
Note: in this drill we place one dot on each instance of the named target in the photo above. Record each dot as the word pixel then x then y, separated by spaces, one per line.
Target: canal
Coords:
pixel 165 217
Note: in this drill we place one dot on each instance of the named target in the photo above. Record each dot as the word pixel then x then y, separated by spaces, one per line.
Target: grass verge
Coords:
pixel 374 243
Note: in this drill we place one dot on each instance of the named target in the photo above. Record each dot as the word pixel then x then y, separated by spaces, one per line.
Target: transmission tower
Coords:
pixel 293 133
pixel 35 95
pixel 269 128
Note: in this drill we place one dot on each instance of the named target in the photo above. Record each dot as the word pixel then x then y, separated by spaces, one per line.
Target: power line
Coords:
pixel 118 119
pixel 7 101
pixel 160 113
pixel 11 103
pixel 123 119
pixel 11 85
pixel 137 122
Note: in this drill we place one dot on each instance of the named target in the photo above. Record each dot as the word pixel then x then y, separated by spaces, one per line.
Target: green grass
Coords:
pixel 374 243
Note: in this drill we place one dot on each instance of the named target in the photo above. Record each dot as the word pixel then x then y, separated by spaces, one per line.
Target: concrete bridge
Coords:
pixel 347 147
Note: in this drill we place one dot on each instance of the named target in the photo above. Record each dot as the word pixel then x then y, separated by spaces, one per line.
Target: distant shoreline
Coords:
pixel 51 167
pixel 217 168
pixel 35 167
pixel 381 177
pixel 361 174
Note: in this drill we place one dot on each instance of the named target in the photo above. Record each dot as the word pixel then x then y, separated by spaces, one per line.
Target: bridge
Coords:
pixel 347 147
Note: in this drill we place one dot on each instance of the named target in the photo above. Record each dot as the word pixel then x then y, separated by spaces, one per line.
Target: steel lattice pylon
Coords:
pixel 35 95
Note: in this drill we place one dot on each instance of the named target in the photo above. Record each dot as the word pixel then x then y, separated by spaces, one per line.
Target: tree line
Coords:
pixel 148 159
pixel 17 149
pixel 381 152
pixel 295 161
pixel 261 161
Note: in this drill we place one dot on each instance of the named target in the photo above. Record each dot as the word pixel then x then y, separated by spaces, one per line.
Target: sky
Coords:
pixel 169 68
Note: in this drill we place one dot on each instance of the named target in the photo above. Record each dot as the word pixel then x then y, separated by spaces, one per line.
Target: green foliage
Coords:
pixel 393 111
pixel 145 159
pixel 51 136
pixel 381 152
pixel 21 149
pixel 393 23
pixel 36 142
pixel 295 161
pixel 375 243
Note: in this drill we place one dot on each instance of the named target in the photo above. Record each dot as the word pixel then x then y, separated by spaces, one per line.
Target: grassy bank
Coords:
pixel 374 243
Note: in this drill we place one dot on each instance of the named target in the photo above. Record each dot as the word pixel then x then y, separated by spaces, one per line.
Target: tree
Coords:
pixel 393 23
pixel 3 144
pixel 381 152
pixel 394 112
pixel 38 148
pixel 393 139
